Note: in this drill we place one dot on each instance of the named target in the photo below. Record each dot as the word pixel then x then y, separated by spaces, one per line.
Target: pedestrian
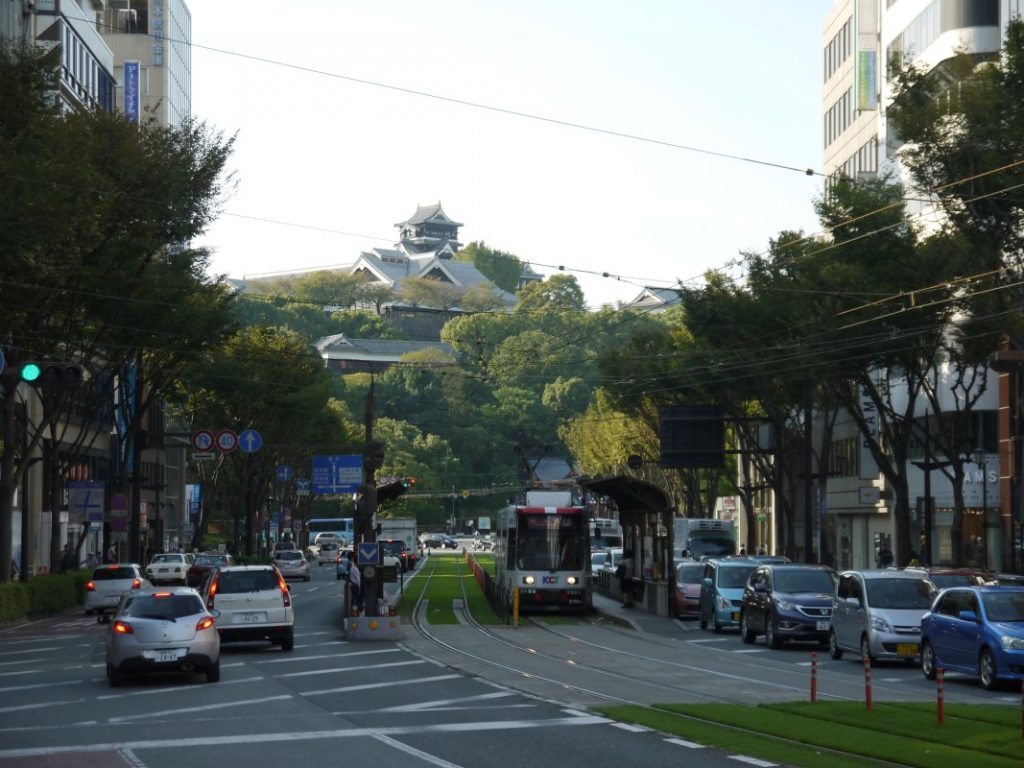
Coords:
pixel 625 573
pixel 355 582
pixel 111 555
pixel 743 551
pixel 65 558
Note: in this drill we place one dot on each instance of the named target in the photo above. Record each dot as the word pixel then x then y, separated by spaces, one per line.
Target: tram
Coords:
pixel 542 548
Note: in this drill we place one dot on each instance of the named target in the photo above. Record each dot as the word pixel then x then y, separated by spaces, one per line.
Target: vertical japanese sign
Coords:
pixel 132 98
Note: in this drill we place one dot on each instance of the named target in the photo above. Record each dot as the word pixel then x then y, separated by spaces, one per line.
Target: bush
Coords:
pixel 41 595
pixel 14 601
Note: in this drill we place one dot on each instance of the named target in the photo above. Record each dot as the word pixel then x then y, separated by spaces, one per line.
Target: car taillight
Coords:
pixel 136 584
pixel 284 591
pixel 90 587
pixel 204 623
pixel 122 628
pixel 213 591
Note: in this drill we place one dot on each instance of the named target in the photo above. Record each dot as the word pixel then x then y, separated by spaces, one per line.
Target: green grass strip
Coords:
pixel 890 733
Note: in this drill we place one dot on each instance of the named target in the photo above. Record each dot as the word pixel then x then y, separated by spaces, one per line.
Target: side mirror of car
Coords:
pixel 760 587
pixel 707 582
pixel 970 616
pixel 854 601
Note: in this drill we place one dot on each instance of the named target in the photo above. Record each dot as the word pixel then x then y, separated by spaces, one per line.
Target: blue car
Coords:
pixel 978 631
pixel 341 567
pixel 721 592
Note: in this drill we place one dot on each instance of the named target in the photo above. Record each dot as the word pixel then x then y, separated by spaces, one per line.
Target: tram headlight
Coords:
pixel 571 581
pixel 528 579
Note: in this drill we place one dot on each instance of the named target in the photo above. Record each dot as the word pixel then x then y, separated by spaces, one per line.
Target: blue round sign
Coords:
pixel 283 472
pixel 249 441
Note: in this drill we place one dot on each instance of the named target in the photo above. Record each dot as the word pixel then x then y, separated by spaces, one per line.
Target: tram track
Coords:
pixel 423 629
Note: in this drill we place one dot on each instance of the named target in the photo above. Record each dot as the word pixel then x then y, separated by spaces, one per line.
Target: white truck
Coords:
pixel 697 538
pixel 403 528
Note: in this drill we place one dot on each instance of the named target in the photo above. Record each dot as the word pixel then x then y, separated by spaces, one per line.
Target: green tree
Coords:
pixel 501 268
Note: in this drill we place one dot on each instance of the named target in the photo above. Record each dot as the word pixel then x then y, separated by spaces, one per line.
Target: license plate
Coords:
pixel 250 618
pixel 907 649
pixel 736 616
pixel 823 626
pixel 167 656
pixel 161 570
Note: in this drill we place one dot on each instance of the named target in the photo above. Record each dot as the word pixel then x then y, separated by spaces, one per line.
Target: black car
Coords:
pixel 787 601
pixel 397 548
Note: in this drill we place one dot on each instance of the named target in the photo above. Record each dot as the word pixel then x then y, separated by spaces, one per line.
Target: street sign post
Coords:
pixel 227 440
pixel 250 441
pixel 337 474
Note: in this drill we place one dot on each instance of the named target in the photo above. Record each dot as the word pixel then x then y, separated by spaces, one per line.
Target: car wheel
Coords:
pixel 865 649
pixel 746 634
pixel 833 646
pixel 716 627
pixel 703 623
pixel 307 576
pixel 771 633
pixel 987 670
pixel 928 661
pixel 213 672
pixel 116 677
pixel 288 641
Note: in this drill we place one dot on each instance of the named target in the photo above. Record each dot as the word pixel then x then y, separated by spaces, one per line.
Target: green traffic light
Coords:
pixel 30 372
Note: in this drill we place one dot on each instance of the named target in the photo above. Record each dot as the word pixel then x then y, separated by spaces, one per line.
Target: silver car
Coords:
pixel 292 564
pixel 877 613
pixel 162 630
pixel 251 602
pixel 109 582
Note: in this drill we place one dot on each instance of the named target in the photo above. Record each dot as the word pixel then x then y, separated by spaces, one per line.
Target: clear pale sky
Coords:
pixel 326 165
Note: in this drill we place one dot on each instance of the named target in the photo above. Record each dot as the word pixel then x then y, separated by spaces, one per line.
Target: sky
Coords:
pixel 592 136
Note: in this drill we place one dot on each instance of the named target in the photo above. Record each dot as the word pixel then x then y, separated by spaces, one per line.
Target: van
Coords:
pixel 877 613
pixel 328 552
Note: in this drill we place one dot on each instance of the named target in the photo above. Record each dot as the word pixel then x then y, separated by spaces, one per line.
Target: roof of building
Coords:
pixel 339 346
pixel 425 213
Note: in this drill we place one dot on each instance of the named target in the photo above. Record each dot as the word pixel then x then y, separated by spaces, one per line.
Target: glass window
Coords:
pixel 900 593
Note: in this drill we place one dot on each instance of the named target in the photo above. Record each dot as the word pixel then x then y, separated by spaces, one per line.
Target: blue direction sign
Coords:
pixel 250 441
pixel 368 553
pixel 337 474
pixel 302 483
pixel 283 472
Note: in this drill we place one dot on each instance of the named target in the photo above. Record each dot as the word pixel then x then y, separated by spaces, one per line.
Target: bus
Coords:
pixel 542 548
pixel 341 529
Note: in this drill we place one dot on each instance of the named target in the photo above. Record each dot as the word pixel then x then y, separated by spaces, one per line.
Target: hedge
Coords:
pixel 41 595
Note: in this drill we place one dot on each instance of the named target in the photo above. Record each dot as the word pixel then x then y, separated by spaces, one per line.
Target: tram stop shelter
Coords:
pixel 646 516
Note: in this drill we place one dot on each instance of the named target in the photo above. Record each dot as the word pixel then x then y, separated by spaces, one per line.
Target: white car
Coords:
pixel 292 564
pixel 251 602
pixel 171 567
pixel 328 553
pixel 109 582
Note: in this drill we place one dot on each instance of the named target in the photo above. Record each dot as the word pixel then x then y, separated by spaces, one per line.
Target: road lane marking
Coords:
pixel 350 669
pixel 631 728
pixel 182 742
pixel 751 761
pixel 326 656
pixel 183 710
pixel 419 753
pixel 20 707
pixel 685 743
pixel 420 706
pixel 188 687
pixel 371 686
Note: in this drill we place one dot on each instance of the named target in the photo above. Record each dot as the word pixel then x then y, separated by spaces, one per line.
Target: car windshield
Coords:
pixel 690 574
pixel 209 560
pixel 944 580
pixel 909 594
pixel 799 580
pixel 234 582
pixel 290 555
pixel 734 576
pixel 112 573
pixel 166 606
pixel 712 547
pixel 169 559
pixel 1004 606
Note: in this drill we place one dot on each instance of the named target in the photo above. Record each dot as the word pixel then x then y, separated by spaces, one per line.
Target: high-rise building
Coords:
pixel 152 45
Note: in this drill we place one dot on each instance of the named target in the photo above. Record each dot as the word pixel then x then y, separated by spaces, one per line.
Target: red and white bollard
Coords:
pixel 867 682
pixel 814 676
pixel 940 694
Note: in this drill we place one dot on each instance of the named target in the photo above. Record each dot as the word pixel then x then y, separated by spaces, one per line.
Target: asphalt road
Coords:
pixel 406 703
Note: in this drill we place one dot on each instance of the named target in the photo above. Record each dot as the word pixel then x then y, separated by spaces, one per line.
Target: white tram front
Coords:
pixel 544 551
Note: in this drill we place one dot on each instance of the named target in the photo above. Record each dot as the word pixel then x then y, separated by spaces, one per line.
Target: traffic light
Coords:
pixel 53 374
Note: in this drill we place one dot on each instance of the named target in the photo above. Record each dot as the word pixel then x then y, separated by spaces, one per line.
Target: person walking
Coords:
pixel 625 574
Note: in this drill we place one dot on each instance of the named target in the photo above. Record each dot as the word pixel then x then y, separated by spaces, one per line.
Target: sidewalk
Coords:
pixel 636 618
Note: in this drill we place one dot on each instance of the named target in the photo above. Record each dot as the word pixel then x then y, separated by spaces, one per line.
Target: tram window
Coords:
pixel 550 543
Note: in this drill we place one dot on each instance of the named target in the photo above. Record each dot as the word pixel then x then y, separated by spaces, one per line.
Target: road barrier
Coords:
pixel 814 676
pixel 940 694
pixel 867 682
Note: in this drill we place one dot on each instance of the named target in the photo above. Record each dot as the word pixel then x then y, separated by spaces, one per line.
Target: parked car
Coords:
pixel 687 588
pixel 162 630
pixel 109 583
pixel 612 561
pixel 328 552
pixel 251 602
pixel 721 591
pixel 787 601
pixel 877 613
pixel 449 542
pixel 206 562
pixel 976 630
pixel 168 568
pixel 433 541
pixel 292 564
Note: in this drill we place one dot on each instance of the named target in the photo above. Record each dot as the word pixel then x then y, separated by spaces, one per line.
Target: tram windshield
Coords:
pixel 551 543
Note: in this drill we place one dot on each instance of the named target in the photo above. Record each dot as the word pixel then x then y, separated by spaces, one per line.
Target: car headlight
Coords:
pixel 785 605
pixel 1011 643
pixel 877 622
pixel 528 579
pixel 724 603
pixel 571 580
